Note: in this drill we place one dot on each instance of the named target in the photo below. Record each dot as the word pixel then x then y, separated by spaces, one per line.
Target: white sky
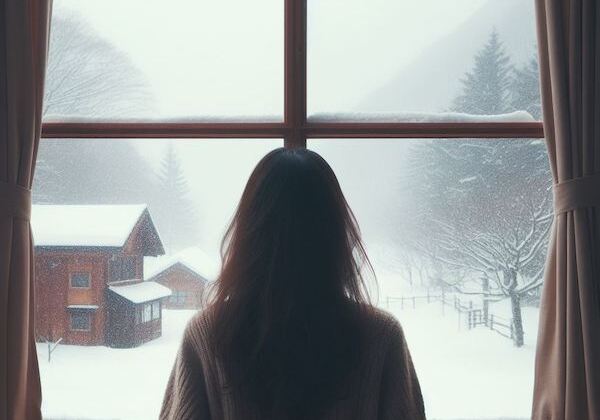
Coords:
pixel 225 57
pixel 357 45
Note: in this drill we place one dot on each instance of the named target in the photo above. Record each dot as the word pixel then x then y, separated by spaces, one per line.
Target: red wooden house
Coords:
pixel 187 274
pixel 88 274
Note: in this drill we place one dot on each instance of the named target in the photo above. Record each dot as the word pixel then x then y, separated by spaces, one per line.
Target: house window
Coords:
pixel 80 321
pixel 147 312
pixel 122 267
pixel 178 297
pixel 156 310
pixel 80 280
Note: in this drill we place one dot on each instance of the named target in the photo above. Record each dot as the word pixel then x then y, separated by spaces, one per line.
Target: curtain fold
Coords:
pixel 567 371
pixel 24 28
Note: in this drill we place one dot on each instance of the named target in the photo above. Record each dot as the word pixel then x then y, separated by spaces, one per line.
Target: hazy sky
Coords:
pixel 225 57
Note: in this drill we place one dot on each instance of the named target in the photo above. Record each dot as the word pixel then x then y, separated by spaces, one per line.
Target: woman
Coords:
pixel 289 332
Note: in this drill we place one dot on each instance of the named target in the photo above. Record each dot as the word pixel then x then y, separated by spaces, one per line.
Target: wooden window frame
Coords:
pixel 295 129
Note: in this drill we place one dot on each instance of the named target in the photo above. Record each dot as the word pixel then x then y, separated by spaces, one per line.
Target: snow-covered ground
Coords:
pixel 468 374
pixel 464 374
pixel 103 383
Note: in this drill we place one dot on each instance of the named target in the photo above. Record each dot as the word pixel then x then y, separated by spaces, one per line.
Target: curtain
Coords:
pixel 567 371
pixel 24 27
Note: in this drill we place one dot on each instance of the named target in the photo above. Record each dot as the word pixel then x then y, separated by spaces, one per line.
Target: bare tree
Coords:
pixel 506 257
pixel 89 77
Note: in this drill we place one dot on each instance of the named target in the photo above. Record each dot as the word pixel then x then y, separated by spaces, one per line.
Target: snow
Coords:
pixel 193 258
pixel 166 119
pixel 98 382
pixel 466 374
pixel 90 307
pixel 438 117
pixel 84 225
pixel 141 292
pixel 468 179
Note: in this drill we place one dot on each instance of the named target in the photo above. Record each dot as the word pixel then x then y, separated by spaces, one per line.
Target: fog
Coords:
pixel 207 59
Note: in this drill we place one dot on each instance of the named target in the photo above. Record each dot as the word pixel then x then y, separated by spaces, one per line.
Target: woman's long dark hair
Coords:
pixel 286 302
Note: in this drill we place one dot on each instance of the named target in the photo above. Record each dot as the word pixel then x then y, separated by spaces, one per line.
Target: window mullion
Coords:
pixel 295 72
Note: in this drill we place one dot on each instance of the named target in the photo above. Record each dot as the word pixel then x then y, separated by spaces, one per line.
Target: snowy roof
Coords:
pixel 193 258
pixel 89 307
pixel 84 225
pixel 141 292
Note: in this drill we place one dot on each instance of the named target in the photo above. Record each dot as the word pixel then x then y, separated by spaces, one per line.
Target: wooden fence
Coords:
pixel 473 316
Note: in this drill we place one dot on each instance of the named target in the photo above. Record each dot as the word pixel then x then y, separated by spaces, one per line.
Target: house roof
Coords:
pixel 92 226
pixel 144 291
pixel 194 259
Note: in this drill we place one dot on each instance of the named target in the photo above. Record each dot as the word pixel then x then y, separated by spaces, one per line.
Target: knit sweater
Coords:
pixel 385 385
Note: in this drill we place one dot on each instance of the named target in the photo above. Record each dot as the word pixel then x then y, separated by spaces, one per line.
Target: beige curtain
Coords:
pixel 24 26
pixel 567 378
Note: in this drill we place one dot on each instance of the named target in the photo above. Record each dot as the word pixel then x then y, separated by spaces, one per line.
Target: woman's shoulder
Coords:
pixel 381 325
pixel 198 329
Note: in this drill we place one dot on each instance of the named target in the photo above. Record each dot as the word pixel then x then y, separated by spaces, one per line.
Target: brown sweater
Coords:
pixel 385 386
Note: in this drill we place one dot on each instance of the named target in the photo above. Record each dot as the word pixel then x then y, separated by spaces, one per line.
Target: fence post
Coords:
pixel 471 320
pixel 491 321
pixel 443 301
pixel 402 302
pixel 428 298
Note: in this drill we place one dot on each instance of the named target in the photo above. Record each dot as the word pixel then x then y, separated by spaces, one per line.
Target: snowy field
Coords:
pixel 470 374
pixel 104 383
pixel 464 374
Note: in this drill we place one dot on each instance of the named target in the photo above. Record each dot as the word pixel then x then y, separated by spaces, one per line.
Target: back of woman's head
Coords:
pixel 287 299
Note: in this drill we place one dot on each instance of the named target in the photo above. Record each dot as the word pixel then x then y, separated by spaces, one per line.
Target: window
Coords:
pixel 147 312
pixel 80 321
pixel 179 297
pixel 80 280
pixel 366 85
pixel 377 61
pixel 207 61
pixel 122 268
pixel 156 310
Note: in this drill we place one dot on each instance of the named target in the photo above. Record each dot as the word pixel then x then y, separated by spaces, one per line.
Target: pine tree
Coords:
pixel 525 88
pixel 177 217
pixel 486 87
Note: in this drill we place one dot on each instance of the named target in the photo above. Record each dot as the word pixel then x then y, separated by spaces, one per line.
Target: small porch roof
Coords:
pixel 144 291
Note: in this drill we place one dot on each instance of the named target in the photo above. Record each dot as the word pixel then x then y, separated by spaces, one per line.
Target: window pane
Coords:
pixel 80 321
pixel 102 200
pixel 386 60
pixel 456 231
pixel 177 60
pixel 80 280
